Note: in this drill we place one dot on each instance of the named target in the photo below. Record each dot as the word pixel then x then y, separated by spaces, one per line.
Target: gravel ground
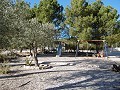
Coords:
pixel 67 73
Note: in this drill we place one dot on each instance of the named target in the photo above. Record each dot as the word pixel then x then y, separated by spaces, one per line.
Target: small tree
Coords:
pixel 38 35
pixel 19 29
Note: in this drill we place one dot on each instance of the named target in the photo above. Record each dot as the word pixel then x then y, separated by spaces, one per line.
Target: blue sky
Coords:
pixel 114 3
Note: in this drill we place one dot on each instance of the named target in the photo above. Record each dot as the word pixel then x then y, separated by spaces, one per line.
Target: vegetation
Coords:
pixel 22 26
pixel 114 38
pixel 49 11
pixel 91 21
pixel 28 61
pixel 25 31
pixel 38 35
pixel 4 67
pixel 2 58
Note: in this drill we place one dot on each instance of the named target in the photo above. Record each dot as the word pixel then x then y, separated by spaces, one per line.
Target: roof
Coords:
pixel 93 41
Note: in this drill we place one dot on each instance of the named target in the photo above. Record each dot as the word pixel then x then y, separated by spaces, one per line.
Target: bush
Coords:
pixel 12 55
pixel 3 58
pixel 4 67
pixel 28 62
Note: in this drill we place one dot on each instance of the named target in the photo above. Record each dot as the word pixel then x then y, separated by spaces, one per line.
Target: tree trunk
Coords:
pixel 59 50
pixel 43 50
pixel 77 49
pixel 21 49
pixel 97 50
pixel 31 51
pixel 35 56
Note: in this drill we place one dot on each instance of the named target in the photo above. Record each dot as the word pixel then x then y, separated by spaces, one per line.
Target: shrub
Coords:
pixel 28 62
pixel 3 58
pixel 4 67
pixel 12 55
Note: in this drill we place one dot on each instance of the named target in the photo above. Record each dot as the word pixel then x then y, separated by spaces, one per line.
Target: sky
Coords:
pixel 114 3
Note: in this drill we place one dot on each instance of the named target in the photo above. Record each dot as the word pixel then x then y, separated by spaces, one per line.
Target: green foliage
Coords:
pixel 28 29
pixel 38 34
pixel 22 26
pixel 28 62
pixel 22 9
pixel 90 21
pixel 5 13
pixel 4 67
pixel 23 14
pixel 113 39
pixel 11 25
pixel 2 58
pixel 49 11
pixel 20 29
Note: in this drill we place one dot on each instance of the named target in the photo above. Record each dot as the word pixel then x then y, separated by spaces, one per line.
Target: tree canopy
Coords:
pixel 90 21
pixel 20 29
pixel 49 11
pixel 83 20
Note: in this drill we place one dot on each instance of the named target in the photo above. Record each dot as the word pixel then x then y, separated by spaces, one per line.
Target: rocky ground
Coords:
pixel 67 73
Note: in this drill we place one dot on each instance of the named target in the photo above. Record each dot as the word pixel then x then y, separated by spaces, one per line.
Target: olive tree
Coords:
pixel 38 35
pixel 6 16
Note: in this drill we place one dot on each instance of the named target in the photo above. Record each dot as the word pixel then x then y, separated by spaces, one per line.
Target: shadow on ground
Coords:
pixel 99 80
